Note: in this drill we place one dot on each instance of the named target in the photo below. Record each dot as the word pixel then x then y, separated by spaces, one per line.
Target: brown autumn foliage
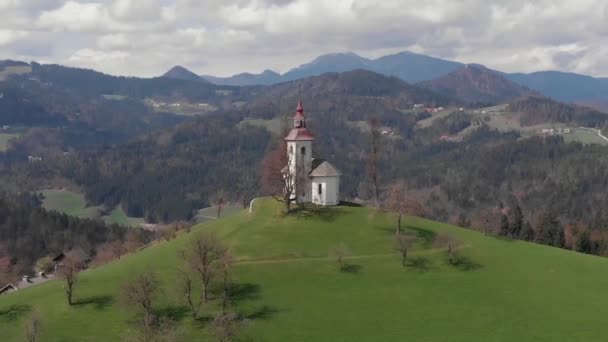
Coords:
pixel 403 203
pixel 276 180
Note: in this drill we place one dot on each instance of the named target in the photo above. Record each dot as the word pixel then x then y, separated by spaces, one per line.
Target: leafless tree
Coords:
pixel 219 201
pixel 339 253
pixel 139 291
pixel 402 203
pixel 277 178
pixel 32 328
pixel 133 241
pixel 450 243
pixel 200 258
pixel 224 326
pixel 403 244
pixel 375 134
pixel 225 263
pixel 68 270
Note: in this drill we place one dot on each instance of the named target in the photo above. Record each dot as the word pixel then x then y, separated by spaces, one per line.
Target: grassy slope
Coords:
pixel 5 138
pixel 73 203
pixel 68 202
pixel 518 292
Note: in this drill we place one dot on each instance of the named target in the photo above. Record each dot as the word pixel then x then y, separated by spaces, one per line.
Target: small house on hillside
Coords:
pixel 80 255
pixel 8 288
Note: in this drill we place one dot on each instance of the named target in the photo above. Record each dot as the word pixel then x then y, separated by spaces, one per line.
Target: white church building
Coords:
pixel 317 181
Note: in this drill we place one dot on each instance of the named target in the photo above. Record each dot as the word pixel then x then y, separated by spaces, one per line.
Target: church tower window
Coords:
pixel 303 151
pixel 320 189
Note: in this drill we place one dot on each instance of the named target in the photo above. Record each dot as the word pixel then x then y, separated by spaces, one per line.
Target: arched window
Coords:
pixel 320 189
pixel 303 151
pixel 290 149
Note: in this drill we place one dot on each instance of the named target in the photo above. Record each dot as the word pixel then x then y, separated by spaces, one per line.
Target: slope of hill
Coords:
pixel 290 290
pixel 352 94
pixel 477 84
pixel 181 73
pixel 80 108
pixel 563 86
pixel 412 67
pixel 537 110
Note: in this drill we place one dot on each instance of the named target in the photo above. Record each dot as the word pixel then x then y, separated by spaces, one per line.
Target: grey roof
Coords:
pixel 323 168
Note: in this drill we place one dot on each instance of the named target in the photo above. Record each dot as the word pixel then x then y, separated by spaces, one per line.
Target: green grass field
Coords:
pixel 273 126
pixel 210 213
pixel 510 291
pixel 68 202
pixel 5 138
pixel 73 203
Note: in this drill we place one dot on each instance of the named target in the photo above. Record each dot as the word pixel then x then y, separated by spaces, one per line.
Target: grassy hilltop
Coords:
pixel 292 291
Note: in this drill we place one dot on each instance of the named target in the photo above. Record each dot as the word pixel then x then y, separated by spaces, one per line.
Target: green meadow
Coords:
pixel 74 203
pixel 5 138
pixel 291 290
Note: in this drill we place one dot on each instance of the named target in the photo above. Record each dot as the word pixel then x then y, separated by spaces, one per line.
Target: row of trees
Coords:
pixel 205 277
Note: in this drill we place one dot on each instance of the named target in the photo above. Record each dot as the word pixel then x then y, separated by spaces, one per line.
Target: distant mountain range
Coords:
pixel 415 68
pixel 408 66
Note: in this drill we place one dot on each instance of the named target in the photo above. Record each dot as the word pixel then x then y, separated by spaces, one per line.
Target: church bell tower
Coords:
pixel 299 155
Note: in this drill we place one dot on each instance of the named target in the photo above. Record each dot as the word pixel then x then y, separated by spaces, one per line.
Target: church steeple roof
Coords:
pixel 299 131
pixel 299 112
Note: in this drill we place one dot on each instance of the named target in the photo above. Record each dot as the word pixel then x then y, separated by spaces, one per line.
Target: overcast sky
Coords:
pixel 223 37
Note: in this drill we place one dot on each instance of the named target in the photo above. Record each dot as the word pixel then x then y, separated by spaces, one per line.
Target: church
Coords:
pixel 315 180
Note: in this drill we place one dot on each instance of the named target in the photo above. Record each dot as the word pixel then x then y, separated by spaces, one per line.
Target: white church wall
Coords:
pixel 330 189
pixel 299 154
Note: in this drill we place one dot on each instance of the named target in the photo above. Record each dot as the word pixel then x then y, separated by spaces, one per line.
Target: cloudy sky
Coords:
pixel 223 37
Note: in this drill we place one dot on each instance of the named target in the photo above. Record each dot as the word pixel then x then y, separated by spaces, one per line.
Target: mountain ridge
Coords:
pixel 477 84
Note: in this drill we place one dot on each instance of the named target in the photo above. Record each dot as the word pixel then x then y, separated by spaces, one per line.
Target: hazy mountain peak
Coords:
pixel 181 73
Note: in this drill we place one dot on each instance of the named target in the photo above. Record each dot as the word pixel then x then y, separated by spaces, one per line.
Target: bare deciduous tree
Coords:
pixel 200 258
pixel 139 291
pixel 450 243
pixel 277 178
pixel 225 263
pixel 68 270
pixel 32 328
pixel 219 201
pixel 339 253
pixel 402 203
pixel 375 134
pixel 403 244
pixel 224 326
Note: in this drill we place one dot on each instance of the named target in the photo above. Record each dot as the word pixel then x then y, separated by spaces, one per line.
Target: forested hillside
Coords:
pixel 28 232
pixel 453 162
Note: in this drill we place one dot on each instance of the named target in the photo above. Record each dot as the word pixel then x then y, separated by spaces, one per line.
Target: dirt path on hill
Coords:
pixel 326 258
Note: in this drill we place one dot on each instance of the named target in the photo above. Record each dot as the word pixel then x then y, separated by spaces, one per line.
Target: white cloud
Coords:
pixel 145 37
pixel 9 36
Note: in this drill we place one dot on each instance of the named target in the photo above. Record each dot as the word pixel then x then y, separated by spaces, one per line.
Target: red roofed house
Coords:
pixel 317 180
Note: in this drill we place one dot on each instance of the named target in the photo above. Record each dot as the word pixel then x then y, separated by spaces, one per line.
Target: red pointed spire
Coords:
pixel 299 112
